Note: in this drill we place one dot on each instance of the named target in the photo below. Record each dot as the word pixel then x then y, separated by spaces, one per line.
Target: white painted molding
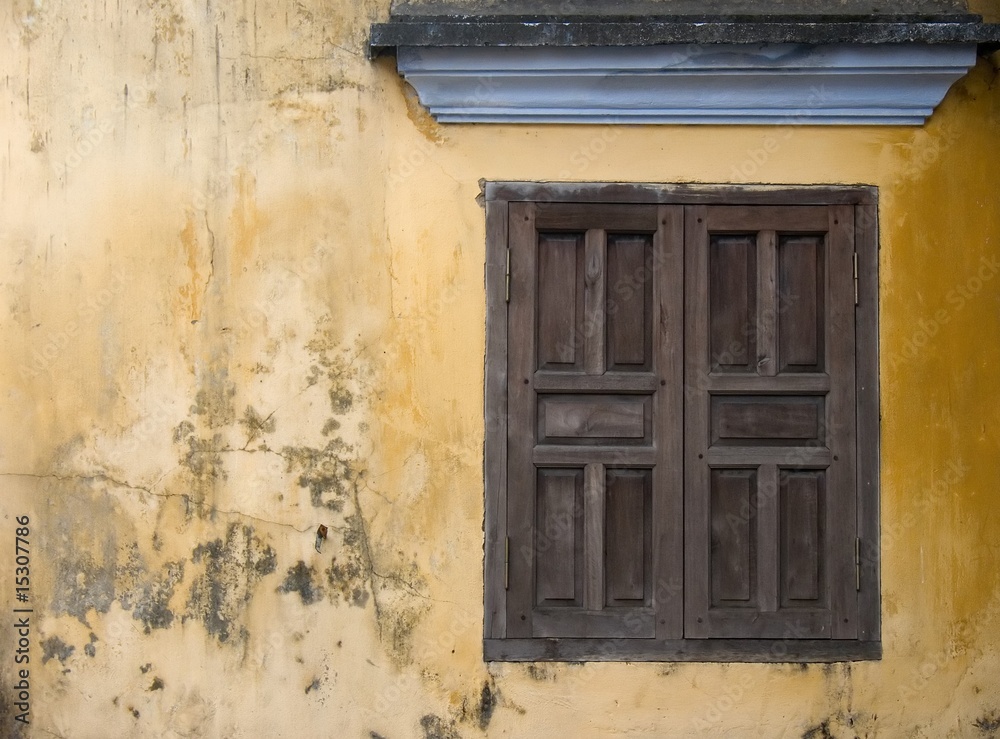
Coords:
pixel 784 84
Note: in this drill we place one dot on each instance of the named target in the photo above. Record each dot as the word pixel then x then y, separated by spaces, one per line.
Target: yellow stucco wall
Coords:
pixel 245 297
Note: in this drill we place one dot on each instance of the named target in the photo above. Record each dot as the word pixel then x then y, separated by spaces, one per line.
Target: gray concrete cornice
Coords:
pixel 570 31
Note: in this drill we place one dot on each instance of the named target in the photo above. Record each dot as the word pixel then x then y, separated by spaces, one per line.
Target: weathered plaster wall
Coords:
pixel 242 295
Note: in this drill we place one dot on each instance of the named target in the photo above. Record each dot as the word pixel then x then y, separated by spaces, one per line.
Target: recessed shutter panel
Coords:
pixel 595 421
pixel 770 436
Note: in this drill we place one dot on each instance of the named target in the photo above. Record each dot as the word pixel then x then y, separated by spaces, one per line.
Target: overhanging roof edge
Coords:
pixel 499 31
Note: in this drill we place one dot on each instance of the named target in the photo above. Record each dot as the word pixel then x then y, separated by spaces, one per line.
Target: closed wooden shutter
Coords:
pixel 594 475
pixel 682 423
pixel 770 470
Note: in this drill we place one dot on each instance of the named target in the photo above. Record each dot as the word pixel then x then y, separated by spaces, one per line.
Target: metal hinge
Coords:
pixel 507 277
pixel 506 562
pixel 857 564
pixel 855 278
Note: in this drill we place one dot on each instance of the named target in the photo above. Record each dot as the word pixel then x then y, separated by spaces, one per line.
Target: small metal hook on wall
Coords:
pixel 320 537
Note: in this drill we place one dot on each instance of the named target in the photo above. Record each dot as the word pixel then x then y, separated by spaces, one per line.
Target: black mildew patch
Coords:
pixel 202 458
pixel 350 571
pixel 328 472
pixel 256 425
pixel 232 569
pixel 148 595
pixel 84 558
pixel 820 731
pixel 435 727
pixel 989 725
pixel 487 704
pixel 214 401
pixel 301 579
pixel 56 648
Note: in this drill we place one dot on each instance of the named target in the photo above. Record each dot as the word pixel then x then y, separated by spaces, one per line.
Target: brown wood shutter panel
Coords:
pixel 770 470
pixel 595 433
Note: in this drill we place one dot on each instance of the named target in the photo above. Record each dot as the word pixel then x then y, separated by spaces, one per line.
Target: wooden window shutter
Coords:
pixel 770 423
pixel 682 442
pixel 594 432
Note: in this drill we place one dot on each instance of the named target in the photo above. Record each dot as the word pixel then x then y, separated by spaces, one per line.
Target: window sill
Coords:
pixel 679 650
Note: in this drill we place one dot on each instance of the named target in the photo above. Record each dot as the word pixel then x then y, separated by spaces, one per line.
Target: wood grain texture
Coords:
pixel 560 301
pixel 629 302
pixel 782 649
pixel 801 505
pixel 521 407
pixel 594 515
pixel 733 563
pixel 733 301
pixel 816 460
pixel 594 321
pixel 627 535
pixel 767 304
pixel 762 418
pixel 495 446
pixel 559 537
pixel 801 299
pixel 564 417
pixel 671 193
pixel 869 441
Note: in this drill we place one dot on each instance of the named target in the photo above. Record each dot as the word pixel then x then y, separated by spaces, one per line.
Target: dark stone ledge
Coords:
pixel 468 31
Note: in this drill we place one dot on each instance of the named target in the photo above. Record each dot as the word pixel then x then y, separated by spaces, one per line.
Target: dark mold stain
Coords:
pixel 989 724
pixel 375 735
pixel 487 704
pixel 330 426
pixel 89 649
pixel 341 400
pixel 478 709
pixel 214 402
pixel 202 458
pixel 327 473
pixel 146 668
pixel 233 568
pixel 821 731
pixel 314 685
pixel 300 580
pixel 435 727
pixel 133 711
pixel 56 648
pixel 257 425
pixel 86 560
pixel 157 684
pixel 148 597
pixel 349 573
pixel 541 672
